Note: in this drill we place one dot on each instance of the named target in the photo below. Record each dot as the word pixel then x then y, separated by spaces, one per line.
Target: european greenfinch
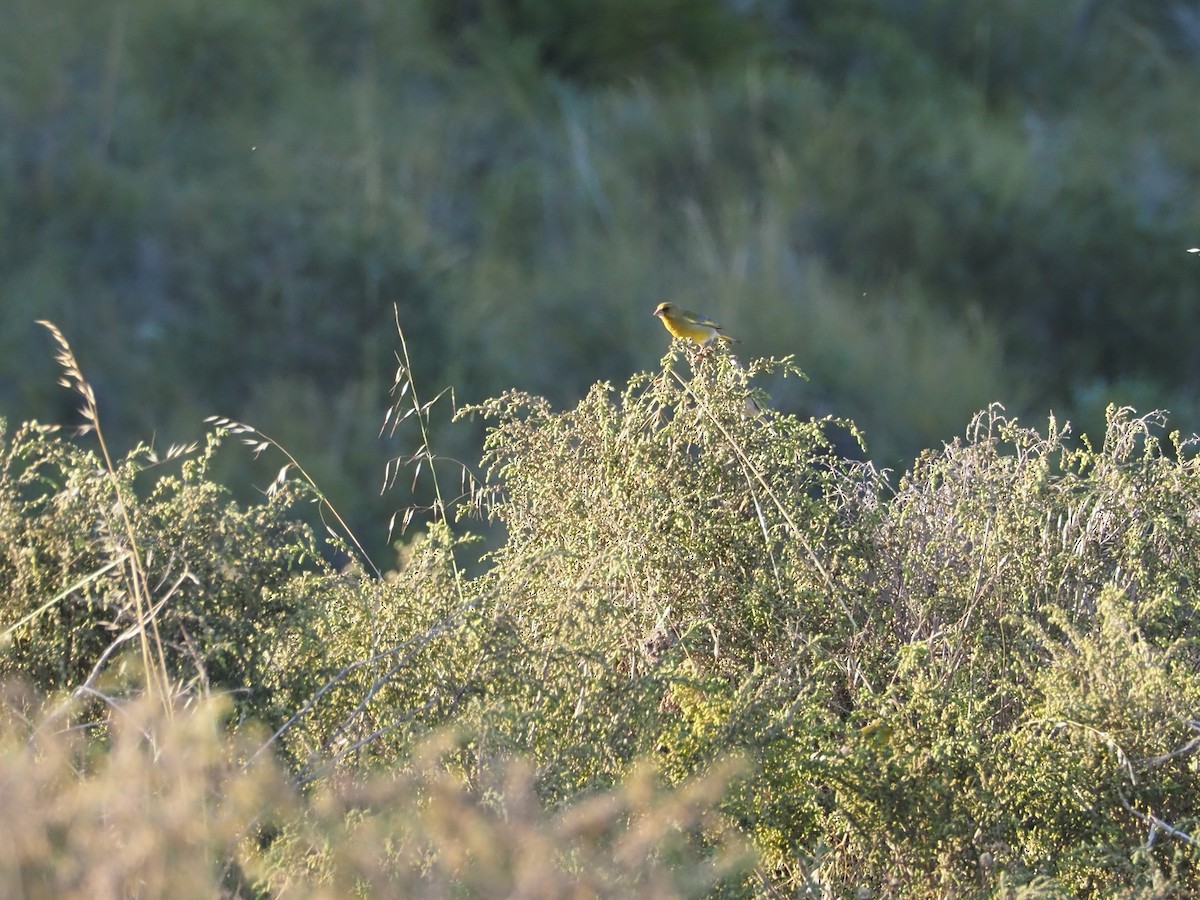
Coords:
pixel 690 326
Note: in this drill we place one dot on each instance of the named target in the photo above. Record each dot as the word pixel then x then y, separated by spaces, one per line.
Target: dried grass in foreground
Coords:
pixel 155 805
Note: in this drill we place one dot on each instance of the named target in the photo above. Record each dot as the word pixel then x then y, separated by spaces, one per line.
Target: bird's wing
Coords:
pixel 698 319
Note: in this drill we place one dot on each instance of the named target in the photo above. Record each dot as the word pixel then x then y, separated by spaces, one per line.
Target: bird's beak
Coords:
pixel 658 313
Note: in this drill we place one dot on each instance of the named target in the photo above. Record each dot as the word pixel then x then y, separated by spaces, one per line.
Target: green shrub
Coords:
pixel 68 565
pixel 713 516
pixel 982 679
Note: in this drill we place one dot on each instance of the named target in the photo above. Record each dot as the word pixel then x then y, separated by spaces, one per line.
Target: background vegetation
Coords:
pixel 933 205
pixel 704 653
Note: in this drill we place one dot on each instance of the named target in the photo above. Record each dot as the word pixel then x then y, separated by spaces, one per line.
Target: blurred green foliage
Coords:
pixel 934 205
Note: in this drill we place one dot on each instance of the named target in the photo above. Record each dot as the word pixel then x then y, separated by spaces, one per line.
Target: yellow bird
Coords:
pixel 690 326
